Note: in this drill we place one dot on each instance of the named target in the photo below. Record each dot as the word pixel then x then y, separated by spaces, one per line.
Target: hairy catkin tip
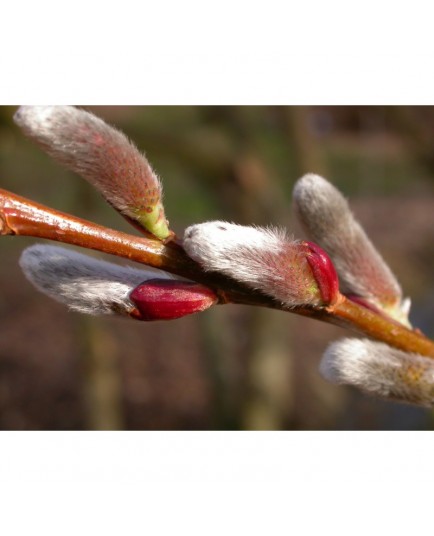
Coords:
pixel 33 117
pixel 380 370
pixel 311 186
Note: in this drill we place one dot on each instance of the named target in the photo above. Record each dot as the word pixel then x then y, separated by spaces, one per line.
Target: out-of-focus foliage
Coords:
pixel 231 367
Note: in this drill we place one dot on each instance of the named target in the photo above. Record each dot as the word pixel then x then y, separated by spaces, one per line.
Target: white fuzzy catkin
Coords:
pixel 85 284
pixel 264 259
pixel 380 370
pixel 95 150
pixel 327 218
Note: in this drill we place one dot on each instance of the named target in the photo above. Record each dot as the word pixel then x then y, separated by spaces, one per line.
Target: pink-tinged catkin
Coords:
pixel 329 222
pixel 101 154
pixel 291 271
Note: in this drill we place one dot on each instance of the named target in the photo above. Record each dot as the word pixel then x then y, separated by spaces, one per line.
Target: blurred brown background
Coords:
pixel 231 367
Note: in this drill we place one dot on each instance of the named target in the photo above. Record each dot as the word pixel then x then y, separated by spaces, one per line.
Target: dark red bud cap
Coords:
pixel 324 273
pixel 167 299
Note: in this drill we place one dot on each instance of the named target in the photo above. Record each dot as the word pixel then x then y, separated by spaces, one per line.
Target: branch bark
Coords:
pixel 22 217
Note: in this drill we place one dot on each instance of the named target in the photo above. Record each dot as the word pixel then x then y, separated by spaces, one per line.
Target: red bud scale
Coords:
pixel 324 273
pixel 167 299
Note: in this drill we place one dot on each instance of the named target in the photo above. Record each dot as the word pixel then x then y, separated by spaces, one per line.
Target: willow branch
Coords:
pixel 20 216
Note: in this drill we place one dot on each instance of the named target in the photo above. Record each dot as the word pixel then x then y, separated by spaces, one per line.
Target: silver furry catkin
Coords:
pixel 294 272
pixel 85 284
pixel 101 154
pixel 380 370
pixel 329 222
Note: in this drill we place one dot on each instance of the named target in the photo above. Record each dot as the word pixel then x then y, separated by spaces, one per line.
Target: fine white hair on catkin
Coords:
pixel 83 283
pixel 214 243
pixel 329 222
pixel 262 258
pixel 380 370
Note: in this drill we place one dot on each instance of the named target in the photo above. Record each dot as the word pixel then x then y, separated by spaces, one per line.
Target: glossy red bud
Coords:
pixel 167 299
pixel 324 273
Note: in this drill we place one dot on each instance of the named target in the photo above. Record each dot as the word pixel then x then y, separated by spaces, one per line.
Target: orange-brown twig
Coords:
pixel 20 216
